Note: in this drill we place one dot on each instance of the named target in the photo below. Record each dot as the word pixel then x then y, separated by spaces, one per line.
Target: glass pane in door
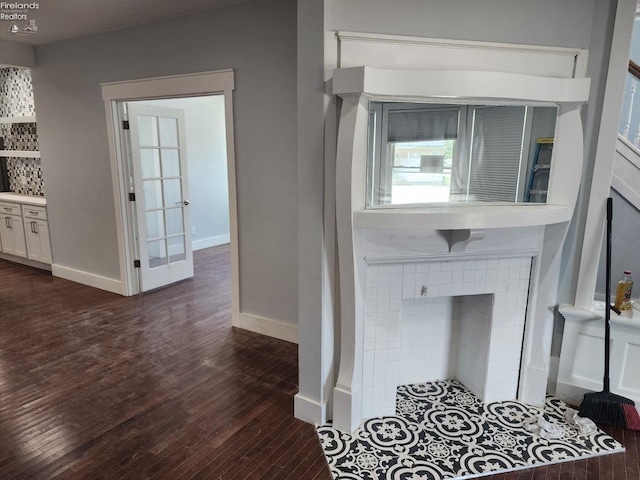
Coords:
pixel 148 131
pixel 175 224
pixel 176 248
pixel 150 162
pixel 152 194
pixel 172 192
pixel 168 132
pixel 157 252
pixel 155 224
pixel 170 162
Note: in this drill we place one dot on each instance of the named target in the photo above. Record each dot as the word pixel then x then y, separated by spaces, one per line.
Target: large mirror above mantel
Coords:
pixel 434 153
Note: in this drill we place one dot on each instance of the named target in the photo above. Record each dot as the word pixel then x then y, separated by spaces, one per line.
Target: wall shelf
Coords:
pixel 29 119
pixel 20 153
pixel 465 216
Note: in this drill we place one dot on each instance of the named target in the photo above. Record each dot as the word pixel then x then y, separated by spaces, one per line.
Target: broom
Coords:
pixel 605 407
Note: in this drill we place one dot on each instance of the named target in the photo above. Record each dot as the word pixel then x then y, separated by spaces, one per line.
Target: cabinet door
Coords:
pixel 12 235
pixel 38 243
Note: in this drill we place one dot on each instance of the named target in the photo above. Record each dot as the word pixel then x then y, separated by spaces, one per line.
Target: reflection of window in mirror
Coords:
pixel 442 153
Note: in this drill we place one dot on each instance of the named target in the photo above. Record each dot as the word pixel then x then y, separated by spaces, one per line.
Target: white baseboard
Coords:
pixel 210 242
pixel 267 326
pixel 309 410
pixel 90 279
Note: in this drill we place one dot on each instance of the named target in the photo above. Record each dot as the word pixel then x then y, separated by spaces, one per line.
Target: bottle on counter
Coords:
pixel 623 291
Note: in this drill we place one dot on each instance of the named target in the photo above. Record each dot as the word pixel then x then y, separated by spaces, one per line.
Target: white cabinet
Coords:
pixel 582 355
pixel 24 230
pixel 36 229
pixel 11 230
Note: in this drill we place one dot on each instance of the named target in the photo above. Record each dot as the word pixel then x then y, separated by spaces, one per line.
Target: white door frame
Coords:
pixel 219 82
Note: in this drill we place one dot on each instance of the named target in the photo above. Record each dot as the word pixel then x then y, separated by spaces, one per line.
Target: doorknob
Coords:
pixel 184 203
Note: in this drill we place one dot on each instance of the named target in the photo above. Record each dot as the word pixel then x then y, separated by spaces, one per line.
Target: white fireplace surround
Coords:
pixel 436 320
pixel 395 262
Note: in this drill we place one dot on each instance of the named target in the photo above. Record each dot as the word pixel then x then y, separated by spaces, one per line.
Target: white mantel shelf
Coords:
pixel 462 216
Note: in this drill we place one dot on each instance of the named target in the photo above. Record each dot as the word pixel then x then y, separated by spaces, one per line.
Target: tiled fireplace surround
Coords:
pixel 439 319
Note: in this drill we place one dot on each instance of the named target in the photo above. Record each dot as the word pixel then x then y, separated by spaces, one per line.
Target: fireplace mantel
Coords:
pixel 522 237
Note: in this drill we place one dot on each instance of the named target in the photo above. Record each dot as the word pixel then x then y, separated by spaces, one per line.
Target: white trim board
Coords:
pixel 90 279
pixel 309 410
pixel 268 326
pixel 421 53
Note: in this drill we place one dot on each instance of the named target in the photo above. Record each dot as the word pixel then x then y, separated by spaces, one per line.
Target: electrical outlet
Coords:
pixel 23 180
pixel 193 230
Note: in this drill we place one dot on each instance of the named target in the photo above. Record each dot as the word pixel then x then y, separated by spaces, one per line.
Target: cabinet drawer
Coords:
pixel 7 208
pixel 29 211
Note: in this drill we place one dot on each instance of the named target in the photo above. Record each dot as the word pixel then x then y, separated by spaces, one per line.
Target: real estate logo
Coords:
pixel 19 16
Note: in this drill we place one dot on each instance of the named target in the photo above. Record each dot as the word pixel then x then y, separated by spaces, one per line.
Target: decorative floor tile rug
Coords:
pixel 442 430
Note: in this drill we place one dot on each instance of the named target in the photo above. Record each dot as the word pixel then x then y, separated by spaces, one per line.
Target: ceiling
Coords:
pixel 62 19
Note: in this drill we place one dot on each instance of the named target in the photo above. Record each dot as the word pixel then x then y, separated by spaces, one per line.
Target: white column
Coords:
pixel 605 153
pixel 316 245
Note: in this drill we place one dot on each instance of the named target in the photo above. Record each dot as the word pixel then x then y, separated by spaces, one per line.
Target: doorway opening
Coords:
pixel 176 154
pixel 173 164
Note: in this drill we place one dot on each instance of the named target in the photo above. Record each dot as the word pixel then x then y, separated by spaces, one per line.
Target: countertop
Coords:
pixel 23 199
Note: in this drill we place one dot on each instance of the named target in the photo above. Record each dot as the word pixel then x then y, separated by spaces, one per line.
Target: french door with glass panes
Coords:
pixel 160 180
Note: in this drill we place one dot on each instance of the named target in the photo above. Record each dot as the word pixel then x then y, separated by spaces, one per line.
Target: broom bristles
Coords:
pixel 610 409
pixel 632 419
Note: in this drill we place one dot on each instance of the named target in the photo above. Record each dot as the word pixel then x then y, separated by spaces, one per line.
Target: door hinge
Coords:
pixel 136 264
pixel 132 196
pixel 125 124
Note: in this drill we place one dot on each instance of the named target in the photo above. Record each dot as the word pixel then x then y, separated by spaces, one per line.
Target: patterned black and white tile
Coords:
pixel 25 176
pixel 441 430
pixel 16 92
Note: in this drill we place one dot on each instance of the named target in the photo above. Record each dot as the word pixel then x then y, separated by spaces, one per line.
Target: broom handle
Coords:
pixel 607 311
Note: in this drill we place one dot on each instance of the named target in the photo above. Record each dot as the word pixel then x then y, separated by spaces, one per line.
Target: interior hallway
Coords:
pixel 98 386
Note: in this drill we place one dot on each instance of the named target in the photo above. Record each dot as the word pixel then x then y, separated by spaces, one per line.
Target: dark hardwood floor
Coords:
pixel 97 386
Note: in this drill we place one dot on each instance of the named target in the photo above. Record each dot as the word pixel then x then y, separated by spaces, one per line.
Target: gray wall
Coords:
pixel 543 22
pixel 258 40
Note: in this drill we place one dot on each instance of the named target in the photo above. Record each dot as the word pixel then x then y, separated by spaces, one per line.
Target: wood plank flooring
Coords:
pixel 97 386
